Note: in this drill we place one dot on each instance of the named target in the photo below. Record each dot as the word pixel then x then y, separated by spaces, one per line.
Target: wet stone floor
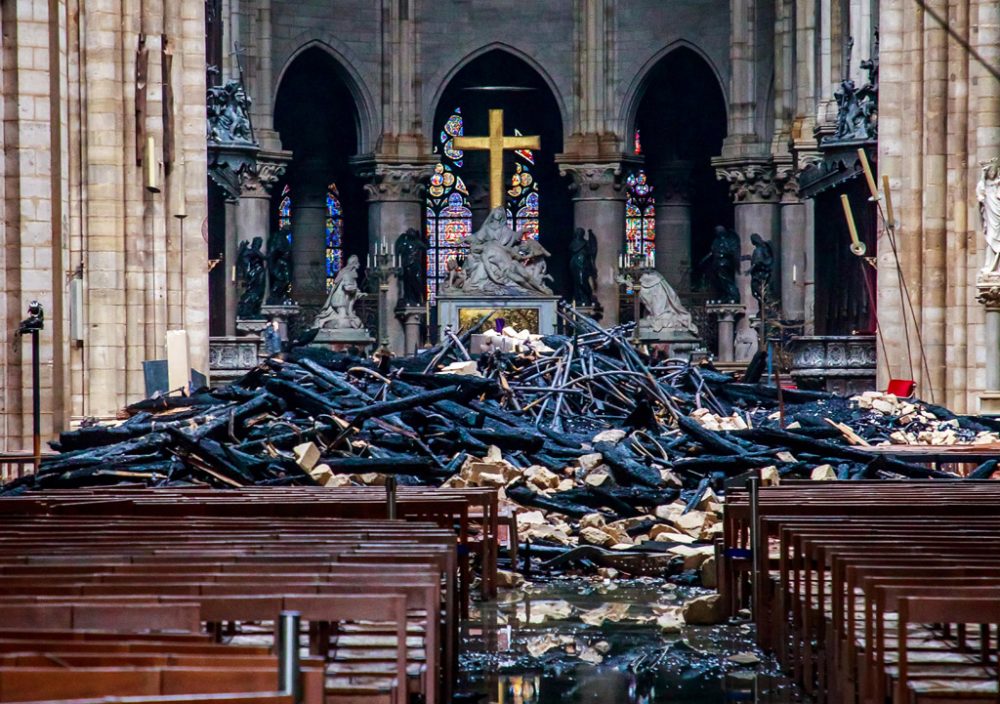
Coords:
pixel 578 640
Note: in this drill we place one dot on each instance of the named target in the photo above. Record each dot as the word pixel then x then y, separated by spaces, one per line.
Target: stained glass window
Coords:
pixel 522 204
pixel 285 211
pixel 640 216
pixel 334 234
pixel 449 218
pixel 638 142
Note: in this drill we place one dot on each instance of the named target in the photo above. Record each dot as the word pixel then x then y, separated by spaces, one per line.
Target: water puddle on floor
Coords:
pixel 574 641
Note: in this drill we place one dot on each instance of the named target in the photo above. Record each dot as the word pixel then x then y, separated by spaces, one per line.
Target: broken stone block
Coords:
pixel 596 478
pixel 306 455
pixel 612 436
pixel 509 579
pixel 468 368
pixel 823 473
pixel 703 610
pixel 709 577
pixel 595 536
pixel 321 473
pixel 590 461
pixel 592 520
pixel 541 477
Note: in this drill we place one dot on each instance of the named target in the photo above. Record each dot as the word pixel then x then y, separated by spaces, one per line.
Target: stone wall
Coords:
pixel 939 118
pixel 74 202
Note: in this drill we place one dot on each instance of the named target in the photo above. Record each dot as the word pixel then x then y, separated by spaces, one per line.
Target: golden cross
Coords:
pixel 495 144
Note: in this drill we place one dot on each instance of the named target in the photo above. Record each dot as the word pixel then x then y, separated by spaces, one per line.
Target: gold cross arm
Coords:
pixel 496 143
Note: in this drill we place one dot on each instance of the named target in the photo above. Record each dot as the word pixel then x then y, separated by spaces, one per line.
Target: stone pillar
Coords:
pixel 599 205
pixel 756 194
pixel 672 190
pixel 395 203
pixel 229 261
pixel 250 218
pixel 793 252
pixel 309 234
pixel 411 317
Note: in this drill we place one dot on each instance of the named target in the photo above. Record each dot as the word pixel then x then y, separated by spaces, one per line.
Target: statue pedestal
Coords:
pixel 726 315
pixel 340 339
pixel 251 326
pixel 411 317
pixel 536 314
pixel 988 293
pixel 676 343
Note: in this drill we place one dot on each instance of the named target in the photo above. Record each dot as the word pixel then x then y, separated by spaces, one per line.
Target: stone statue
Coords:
pixel 724 261
pixel 664 310
pixel 337 312
pixel 857 108
pixel 455 273
pixel 988 195
pixel 581 253
pixel 279 269
pixel 500 264
pixel 252 272
pixel 412 250
pixel 761 268
pixel 229 114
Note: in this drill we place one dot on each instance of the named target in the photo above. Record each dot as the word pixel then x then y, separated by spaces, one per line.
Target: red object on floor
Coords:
pixel 901 388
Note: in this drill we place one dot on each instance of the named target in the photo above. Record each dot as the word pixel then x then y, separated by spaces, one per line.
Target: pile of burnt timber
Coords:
pixel 606 449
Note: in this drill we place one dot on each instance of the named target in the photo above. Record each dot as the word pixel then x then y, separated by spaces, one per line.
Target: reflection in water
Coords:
pixel 581 642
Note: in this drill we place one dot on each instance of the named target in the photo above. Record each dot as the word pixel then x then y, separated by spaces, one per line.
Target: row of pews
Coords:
pixel 871 592
pixel 193 595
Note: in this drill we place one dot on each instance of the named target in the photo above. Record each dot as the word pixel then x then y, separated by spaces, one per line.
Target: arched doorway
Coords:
pixel 679 125
pixel 317 119
pixel 458 199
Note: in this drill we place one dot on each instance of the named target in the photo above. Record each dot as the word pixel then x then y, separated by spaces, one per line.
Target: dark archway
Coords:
pixel 500 79
pixel 681 121
pixel 316 117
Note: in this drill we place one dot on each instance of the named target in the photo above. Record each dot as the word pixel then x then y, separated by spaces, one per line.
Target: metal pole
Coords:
pixel 36 401
pixel 289 668
pixel 753 486
pixel 390 497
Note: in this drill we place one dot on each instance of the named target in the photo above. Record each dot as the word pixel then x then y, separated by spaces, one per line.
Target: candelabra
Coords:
pixel 631 265
pixel 383 264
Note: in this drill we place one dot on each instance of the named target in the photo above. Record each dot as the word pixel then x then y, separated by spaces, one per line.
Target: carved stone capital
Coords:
pixel 988 290
pixel 594 181
pixel 393 182
pixel 259 180
pixel 750 182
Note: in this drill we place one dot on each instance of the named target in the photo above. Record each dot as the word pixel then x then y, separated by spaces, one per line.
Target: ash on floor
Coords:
pixel 579 640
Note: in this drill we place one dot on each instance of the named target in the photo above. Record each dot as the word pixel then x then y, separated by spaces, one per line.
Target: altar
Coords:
pixel 535 313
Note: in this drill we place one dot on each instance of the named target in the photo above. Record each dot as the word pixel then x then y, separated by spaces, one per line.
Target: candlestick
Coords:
pixel 863 157
pixel 890 218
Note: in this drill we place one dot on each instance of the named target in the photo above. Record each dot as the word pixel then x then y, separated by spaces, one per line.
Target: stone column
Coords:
pixel 411 318
pixel 309 233
pixel 252 218
pixel 395 203
pixel 599 205
pixel 756 193
pixel 672 190
pixel 793 252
